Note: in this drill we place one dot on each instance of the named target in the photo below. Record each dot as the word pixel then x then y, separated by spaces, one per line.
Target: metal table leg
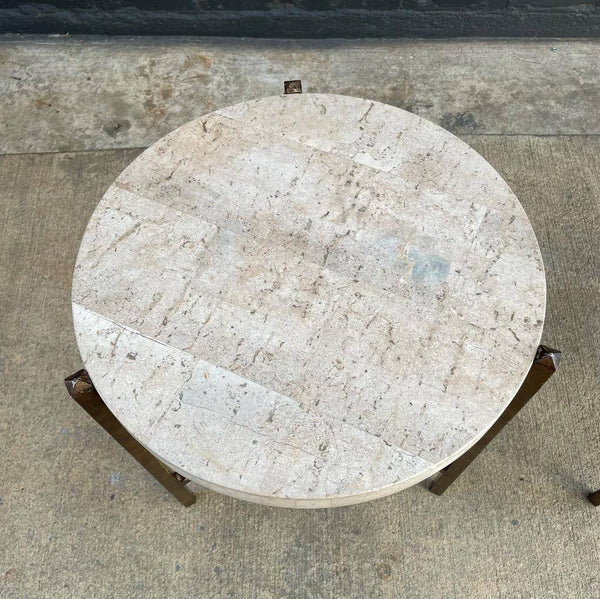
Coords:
pixel 82 390
pixel 544 366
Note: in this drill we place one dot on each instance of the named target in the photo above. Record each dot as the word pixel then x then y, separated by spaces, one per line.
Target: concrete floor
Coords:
pixel 79 518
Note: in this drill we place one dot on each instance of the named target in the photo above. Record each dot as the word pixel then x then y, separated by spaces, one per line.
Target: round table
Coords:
pixel 308 300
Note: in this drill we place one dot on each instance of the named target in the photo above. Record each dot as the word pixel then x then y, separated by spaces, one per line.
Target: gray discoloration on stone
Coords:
pixel 428 268
pixel 72 101
pixel 315 289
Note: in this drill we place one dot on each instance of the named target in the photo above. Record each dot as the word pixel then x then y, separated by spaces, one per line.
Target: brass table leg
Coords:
pixel 82 390
pixel 544 366
pixel 595 497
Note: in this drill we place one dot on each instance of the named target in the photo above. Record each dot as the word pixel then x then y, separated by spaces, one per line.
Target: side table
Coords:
pixel 308 300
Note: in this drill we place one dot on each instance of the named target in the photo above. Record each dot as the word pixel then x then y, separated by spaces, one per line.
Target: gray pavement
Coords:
pixel 78 516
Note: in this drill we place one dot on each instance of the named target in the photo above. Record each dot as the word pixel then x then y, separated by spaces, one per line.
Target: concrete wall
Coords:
pixel 306 18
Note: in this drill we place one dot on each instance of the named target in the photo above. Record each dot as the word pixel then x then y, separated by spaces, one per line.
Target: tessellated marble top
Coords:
pixel 308 300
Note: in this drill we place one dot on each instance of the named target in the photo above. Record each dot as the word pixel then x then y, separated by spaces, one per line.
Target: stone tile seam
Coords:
pixel 197 361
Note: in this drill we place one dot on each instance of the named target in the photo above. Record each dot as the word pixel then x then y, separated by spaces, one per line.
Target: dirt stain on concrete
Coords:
pixel 154 111
pixel 41 103
pixel 166 92
pixel 192 60
pixel 118 127
pixel 384 571
pixel 460 122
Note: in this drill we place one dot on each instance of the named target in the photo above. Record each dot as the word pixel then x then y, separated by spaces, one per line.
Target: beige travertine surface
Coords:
pixel 308 300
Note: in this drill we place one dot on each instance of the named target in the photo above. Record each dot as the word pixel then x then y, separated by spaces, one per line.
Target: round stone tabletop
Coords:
pixel 308 300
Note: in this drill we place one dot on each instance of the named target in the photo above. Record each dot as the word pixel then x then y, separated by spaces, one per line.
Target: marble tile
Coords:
pixel 340 125
pixel 137 377
pixel 267 444
pixel 333 299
